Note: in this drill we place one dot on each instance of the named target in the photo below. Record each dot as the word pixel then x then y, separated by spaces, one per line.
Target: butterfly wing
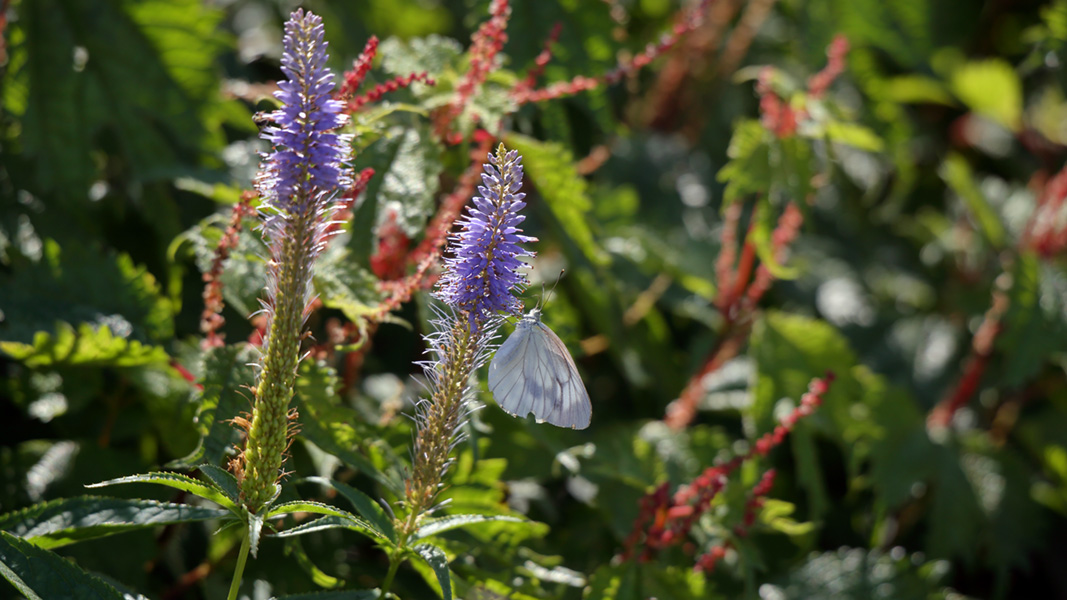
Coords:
pixel 533 372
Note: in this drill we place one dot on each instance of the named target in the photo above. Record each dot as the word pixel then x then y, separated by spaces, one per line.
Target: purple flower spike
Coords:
pixel 484 271
pixel 308 162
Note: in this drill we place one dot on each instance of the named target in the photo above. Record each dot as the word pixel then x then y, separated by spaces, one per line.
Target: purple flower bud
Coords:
pixel 484 271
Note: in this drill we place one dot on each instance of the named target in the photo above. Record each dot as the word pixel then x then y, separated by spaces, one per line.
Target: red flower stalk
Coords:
pixel 783 237
pixel 1046 233
pixel 390 258
pixel 687 21
pixel 665 520
pixel 706 562
pixel 344 205
pixel 486 43
pixel 211 319
pixel 452 205
pixel 737 296
pixel 981 351
pixel 756 498
pixel 352 79
pixel 776 115
pixel 382 89
pixel 540 62
pixel 835 65
pixel 724 264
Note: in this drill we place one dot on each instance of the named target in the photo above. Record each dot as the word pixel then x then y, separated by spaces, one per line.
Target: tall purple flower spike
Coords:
pixel 298 181
pixel 308 162
pixel 484 271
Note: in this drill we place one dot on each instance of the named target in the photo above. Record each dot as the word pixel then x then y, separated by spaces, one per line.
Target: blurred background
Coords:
pixel 757 205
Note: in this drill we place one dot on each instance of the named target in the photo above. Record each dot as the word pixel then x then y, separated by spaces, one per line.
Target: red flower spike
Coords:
pixel 486 43
pixel 665 519
pixel 835 65
pixel 1046 233
pixel 211 319
pixel 351 80
pixel 382 89
pixel 686 22
pixel 390 259
pixel 540 62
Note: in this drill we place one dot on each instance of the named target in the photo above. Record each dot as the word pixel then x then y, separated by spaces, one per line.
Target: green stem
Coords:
pixel 239 570
pixel 394 564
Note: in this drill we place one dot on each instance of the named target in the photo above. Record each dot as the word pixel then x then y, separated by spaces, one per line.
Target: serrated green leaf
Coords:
pixel 407 167
pixel 1035 324
pixel 122 87
pixel 858 574
pixel 176 481
pixel 244 272
pixel 374 594
pixel 434 54
pixel 87 346
pixel 343 284
pixel 550 167
pixel 333 428
pixel 255 532
pixel 223 481
pixel 42 575
pixel 70 520
pixel 440 525
pixel 438 561
pixel 77 284
pixel 364 505
pixel 749 170
pixel 226 374
pixel 349 522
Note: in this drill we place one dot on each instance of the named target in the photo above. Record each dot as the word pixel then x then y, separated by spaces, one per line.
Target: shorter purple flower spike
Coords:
pixel 484 271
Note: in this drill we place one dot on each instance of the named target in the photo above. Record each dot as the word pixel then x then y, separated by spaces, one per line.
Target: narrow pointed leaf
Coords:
pixel 335 522
pixel 223 481
pixel 176 481
pixel 435 526
pixel 42 575
pixel 337 595
pixel 364 505
pixel 69 520
pixel 255 529
pixel 435 557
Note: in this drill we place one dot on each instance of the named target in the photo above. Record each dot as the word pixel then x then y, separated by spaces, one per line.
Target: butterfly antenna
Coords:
pixel 544 295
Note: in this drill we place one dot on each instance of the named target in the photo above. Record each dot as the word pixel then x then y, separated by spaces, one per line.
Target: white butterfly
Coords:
pixel 533 372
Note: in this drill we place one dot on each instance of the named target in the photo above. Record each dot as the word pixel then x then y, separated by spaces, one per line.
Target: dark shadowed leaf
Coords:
pixel 69 520
pixel 41 575
pixel 364 505
pixel 438 561
pixel 226 376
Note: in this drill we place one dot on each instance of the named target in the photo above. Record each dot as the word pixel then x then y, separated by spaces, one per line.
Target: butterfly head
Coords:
pixel 534 315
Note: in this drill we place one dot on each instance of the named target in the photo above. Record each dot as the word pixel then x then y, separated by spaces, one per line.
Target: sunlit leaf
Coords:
pixel 176 481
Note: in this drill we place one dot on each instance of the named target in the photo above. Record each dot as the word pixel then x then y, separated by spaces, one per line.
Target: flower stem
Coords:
pixel 239 570
pixel 394 564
